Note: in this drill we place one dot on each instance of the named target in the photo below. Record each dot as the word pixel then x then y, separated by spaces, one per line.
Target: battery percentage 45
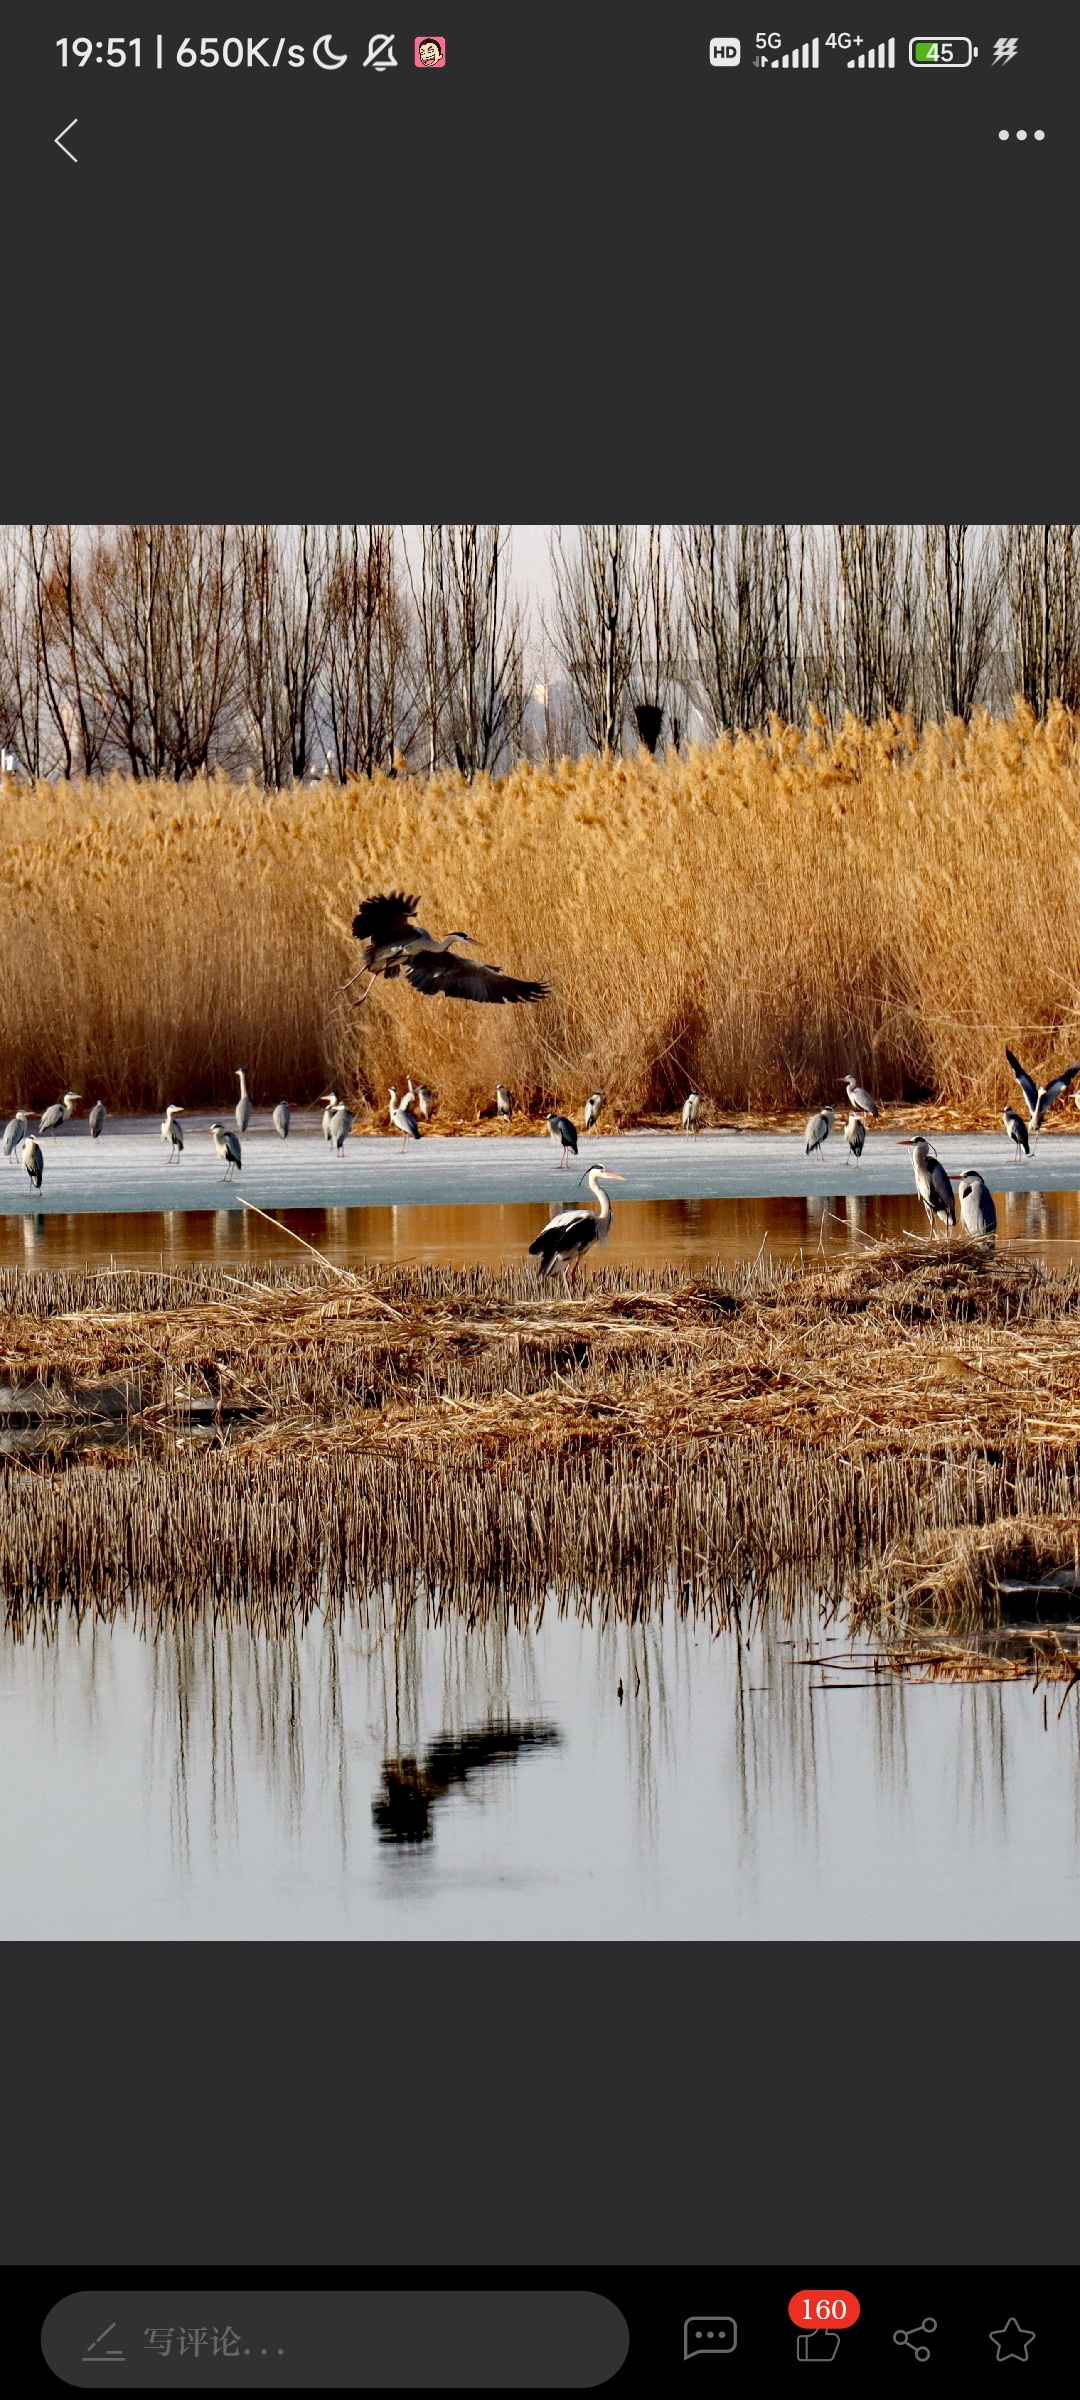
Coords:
pixel 942 50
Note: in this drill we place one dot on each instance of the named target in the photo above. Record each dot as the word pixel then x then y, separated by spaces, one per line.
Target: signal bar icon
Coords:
pixel 885 57
pixel 809 57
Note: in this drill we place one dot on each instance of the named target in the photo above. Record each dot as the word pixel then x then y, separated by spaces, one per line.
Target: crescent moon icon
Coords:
pixel 325 57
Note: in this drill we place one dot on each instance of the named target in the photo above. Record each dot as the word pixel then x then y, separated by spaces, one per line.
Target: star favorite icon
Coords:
pixel 1011 2341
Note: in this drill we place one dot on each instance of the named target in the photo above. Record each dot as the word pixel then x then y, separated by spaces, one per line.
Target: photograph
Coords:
pixel 541 1247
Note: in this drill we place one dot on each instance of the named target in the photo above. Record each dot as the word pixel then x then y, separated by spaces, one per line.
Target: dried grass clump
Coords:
pixel 950 1579
pixel 753 918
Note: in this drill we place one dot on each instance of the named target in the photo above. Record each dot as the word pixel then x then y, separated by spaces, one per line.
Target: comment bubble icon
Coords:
pixel 709 2337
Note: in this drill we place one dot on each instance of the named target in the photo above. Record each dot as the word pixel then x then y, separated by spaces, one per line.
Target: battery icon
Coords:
pixel 943 50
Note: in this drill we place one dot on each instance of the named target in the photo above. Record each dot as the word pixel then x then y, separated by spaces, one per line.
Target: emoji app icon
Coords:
pixel 429 50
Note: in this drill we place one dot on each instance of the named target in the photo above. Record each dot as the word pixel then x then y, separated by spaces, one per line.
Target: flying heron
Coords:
pixel 593 1106
pixel 244 1109
pixel 931 1182
pixel 566 1238
pixel 96 1118
pixel 341 1125
pixel 172 1133
pixel 281 1119
pixel 691 1111
pixel 819 1129
pixel 1040 1097
pixel 860 1098
pixel 31 1157
pixel 563 1132
pixel 227 1145
pixel 855 1135
pixel 504 1101
pixel 402 1117
pixel 977 1212
pixel 392 940
pixel 15 1133
pixel 1016 1130
pixel 332 1103
pixel 59 1112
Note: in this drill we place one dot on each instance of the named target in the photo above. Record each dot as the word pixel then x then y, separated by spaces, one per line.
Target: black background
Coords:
pixel 577 274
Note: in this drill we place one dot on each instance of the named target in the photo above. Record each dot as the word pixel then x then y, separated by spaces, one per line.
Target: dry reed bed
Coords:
pixel 452 1436
pixel 755 918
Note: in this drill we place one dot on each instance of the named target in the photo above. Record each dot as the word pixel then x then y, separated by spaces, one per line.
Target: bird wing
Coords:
pixel 562 1224
pixel 1028 1088
pixel 466 979
pixel 1061 1084
pixel 385 918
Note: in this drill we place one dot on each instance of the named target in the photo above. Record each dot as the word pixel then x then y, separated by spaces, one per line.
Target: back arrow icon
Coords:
pixel 62 145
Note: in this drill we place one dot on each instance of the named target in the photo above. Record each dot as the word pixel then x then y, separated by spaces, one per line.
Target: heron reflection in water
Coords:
pixel 411 1786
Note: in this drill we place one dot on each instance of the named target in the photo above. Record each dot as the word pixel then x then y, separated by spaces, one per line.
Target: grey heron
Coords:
pixel 171 1132
pixel 31 1157
pixel 281 1119
pixel 96 1118
pixel 860 1098
pixel 504 1101
pixel 341 1125
pixel 401 1115
pixel 244 1109
pixel 59 1112
pixel 386 924
pixel 332 1103
pixel 563 1132
pixel 15 1132
pixel 855 1135
pixel 566 1238
pixel 425 1101
pixel 977 1212
pixel 227 1145
pixel 1040 1097
pixel 1016 1130
pixel 931 1182
pixel 819 1129
pixel 593 1106
pixel 691 1111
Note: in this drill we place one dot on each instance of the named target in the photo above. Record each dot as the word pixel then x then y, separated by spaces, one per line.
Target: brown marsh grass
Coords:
pixel 457 1437
pixel 753 918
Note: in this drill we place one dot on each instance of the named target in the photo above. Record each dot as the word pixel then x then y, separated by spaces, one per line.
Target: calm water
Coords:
pixel 492 1784
pixel 644 1233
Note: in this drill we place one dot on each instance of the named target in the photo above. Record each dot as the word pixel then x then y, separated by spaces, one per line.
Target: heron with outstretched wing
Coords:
pixel 393 941
pixel 1040 1097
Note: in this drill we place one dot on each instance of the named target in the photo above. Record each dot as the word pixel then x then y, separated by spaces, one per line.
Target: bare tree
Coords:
pixel 366 682
pixel 1039 566
pixel 963 590
pixel 874 637
pixel 730 620
pixel 593 623
pixel 656 640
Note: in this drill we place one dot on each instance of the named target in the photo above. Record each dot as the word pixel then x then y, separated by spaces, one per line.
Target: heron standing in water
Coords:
pixel 566 1238
pixel 281 1119
pixel 593 1106
pixel 244 1109
pixel 332 1104
pixel 32 1159
pixel 855 1135
pixel 171 1132
pixel 819 1129
pixel 977 1212
pixel 96 1118
pixel 931 1182
pixel 563 1132
pixel 227 1145
pixel 691 1111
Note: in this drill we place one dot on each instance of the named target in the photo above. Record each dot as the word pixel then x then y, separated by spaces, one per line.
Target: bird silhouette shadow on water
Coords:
pixel 411 1786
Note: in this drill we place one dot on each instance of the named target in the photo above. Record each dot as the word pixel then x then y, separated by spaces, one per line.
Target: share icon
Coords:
pixel 908 2341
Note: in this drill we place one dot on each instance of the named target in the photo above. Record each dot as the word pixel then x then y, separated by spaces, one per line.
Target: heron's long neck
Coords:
pixel 243 1085
pixel 604 1199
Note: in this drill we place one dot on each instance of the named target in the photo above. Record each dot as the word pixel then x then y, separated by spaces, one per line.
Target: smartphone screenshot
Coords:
pixel 539 1200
